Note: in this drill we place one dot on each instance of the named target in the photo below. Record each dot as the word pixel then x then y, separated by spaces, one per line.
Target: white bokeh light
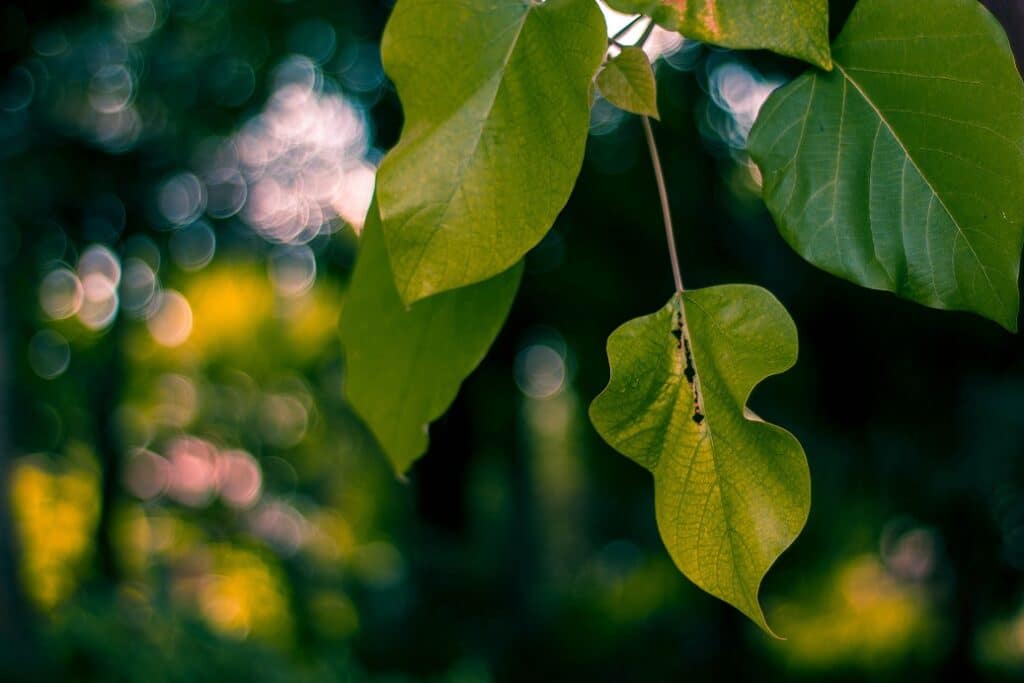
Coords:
pixel 299 166
pixel 49 354
pixel 171 323
pixel 660 43
pixel 292 270
pixel 61 294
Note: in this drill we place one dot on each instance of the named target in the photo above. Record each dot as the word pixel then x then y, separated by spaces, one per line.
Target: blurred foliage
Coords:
pixel 189 497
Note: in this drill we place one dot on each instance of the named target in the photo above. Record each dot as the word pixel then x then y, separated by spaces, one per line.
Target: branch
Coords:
pixel 659 176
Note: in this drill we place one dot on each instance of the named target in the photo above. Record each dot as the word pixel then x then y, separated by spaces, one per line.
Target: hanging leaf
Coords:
pixel 796 28
pixel 627 81
pixel 404 365
pixel 902 169
pixel 731 492
pixel 497 105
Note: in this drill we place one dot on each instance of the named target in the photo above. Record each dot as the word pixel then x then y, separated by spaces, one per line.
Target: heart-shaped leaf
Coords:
pixel 404 365
pixel 497 104
pixel 731 492
pixel 902 169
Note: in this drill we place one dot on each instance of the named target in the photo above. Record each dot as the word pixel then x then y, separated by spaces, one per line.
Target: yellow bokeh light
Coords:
pixel 244 595
pixel 864 618
pixel 55 515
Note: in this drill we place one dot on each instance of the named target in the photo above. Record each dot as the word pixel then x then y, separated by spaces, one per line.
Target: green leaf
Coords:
pixel 627 81
pixel 796 28
pixel 731 492
pixel 902 169
pixel 497 104
pixel 404 365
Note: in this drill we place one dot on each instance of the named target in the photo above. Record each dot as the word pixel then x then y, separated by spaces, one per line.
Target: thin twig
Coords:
pixel 645 35
pixel 624 30
pixel 659 177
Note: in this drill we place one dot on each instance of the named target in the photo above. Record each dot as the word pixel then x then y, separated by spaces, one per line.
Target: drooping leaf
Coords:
pixel 404 365
pixel 731 492
pixel 796 28
pixel 902 169
pixel 497 104
pixel 627 81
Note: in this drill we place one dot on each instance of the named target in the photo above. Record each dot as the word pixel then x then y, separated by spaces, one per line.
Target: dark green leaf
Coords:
pixel 902 169
pixel 404 365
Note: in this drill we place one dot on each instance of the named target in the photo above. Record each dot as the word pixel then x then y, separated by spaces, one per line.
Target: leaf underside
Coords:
pixel 404 365
pixel 796 28
pixel 902 169
pixel 731 492
pixel 497 104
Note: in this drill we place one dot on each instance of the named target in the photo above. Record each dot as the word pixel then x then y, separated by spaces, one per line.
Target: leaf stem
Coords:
pixel 645 35
pixel 624 30
pixel 659 177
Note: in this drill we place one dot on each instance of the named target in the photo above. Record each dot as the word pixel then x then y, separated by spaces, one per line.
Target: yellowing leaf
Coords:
pixel 797 28
pixel 731 491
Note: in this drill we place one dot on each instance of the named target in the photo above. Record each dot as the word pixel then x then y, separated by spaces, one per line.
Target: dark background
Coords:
pixel 521 547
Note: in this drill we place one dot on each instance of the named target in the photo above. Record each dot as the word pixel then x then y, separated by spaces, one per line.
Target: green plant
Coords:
pixel 893 162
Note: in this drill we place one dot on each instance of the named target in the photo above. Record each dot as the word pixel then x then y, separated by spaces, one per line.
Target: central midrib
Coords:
pixel 920 172
pixel 458 177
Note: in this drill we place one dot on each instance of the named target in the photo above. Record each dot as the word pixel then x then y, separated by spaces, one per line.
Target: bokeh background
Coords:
pixel 187 497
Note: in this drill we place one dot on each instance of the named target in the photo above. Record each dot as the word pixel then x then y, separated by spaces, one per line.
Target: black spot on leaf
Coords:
pixel 678 334
pixel 690 371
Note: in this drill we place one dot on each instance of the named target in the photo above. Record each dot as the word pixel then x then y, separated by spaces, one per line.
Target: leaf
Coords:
pixel 902 169
pixel 796 28
pixel 627 81
pixel 404 365
pixel 497 105
pixel 731 492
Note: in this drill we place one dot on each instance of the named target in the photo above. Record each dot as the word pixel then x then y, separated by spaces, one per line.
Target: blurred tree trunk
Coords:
pixel 107 383
pixel 16 623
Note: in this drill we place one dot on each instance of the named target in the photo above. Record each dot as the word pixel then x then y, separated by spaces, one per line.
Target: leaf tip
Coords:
pixel 820 55
pixel 1005 315
pixel 401 462
pixel 1010 319
pixel 755 613
pixel 413 289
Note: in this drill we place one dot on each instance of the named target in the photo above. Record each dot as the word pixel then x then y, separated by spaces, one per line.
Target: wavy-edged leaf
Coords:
pixel 902 169
pixel 404 365
pixel 497 104
pixel 796 28
pixel 627 81
pixel 731 492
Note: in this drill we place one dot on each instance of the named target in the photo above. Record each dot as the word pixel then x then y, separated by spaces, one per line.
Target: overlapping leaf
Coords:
pixel 497 103
pixel 902 169
pixel 797 28
pixel 404 365
pixel 627 81
pixel 731 491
